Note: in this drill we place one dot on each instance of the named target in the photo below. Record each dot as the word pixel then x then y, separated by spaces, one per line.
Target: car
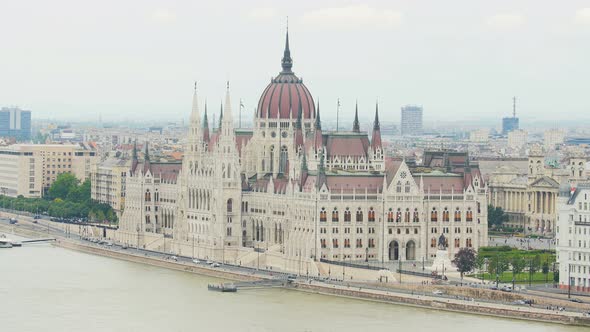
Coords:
pixel 208 262
pixel 519 302
pixel 174 258
pixel 576 300
pixel 437 292
pixel 13 221
pixel 110 244
pixel 196 261
pixel 124 246
pixel 506 289
pixel 215 265
pixel 37 216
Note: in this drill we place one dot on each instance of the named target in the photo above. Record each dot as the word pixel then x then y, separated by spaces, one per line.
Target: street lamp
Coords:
pixel 367 254
pixel 137 228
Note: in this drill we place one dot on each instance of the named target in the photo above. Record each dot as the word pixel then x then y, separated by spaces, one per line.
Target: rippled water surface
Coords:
pixel 44 288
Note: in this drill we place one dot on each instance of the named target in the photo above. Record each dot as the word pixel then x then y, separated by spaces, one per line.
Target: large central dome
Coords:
pixel 286 94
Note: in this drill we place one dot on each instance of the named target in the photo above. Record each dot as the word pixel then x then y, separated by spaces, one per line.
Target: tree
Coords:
pixel 465 260
pixel 480 262
pixel 62 186
pixel 545 270
pixel 496 216
pixel 518 265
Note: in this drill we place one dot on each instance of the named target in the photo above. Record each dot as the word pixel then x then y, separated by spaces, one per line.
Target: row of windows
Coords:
pixel 358 244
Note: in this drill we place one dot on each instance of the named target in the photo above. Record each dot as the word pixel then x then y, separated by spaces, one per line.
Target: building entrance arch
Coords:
pixel 393 250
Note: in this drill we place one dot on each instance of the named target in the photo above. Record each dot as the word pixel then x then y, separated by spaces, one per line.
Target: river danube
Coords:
pixel 45 288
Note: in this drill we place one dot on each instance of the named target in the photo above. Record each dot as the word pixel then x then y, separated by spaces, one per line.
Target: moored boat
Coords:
pixel 225 288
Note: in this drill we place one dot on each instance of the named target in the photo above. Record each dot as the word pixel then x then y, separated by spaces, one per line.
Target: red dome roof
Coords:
pixel 286 94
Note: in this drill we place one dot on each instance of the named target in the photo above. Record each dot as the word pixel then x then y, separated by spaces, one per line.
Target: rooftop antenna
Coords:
pixel 240 115
pixel 337 114
pixel 514 107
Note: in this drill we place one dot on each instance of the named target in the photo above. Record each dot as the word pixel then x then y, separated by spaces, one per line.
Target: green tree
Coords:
pixel 465 260
pixel 518 264
pixel 62 186
pixel 496 216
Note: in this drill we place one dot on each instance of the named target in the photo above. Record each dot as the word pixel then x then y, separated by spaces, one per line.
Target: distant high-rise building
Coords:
pixel 510 123
pixel 16 123
pixel 411 123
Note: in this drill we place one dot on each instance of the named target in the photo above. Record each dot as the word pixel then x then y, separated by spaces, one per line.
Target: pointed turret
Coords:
pixel 318 141
pixel 134 160
pixel 298 130
pixel 376 139
pixel 206 126
pixel 304 171
pixel 321 177
pixel 195 114
pixel 220 116
pixel 146 158
pixel 356 125
pixel 287 62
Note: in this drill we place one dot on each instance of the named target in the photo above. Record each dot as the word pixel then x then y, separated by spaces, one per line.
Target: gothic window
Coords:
pixel 323 243
pixel 335 215
pixel 272 158
pixel 457 243
pixel 371 214
pixel 407 189
pixel 398 187
pixel 446 215
pixel 323 216
pixel 148 196
pixel 416 217
pixel 347 215
pixel 390 216
pixel 359 243
pixel 359 215
pixel 457 215
pixel 434 215
pixel 230 204
pixel 346 243
pixel 283 160
pixel 334 243
pixel 398 215
pixel 407 215
pixel 432 243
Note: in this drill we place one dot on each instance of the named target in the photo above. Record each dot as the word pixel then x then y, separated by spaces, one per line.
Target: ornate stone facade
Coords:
pixel 298 194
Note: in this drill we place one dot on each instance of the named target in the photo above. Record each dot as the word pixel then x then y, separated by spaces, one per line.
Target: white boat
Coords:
pixel 4 243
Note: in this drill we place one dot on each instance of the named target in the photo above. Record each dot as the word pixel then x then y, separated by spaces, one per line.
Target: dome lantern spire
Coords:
pixel 287 62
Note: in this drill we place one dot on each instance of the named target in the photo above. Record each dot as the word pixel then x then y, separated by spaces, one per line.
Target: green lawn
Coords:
pixel 521 278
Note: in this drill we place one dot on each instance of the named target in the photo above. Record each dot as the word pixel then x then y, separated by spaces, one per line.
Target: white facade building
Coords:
pixel 573 237
pixel 300 194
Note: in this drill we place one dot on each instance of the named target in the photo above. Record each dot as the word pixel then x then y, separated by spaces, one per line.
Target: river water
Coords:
pixel 45 288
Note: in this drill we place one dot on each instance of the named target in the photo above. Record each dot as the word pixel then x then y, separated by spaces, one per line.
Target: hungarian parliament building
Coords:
pixel 291 191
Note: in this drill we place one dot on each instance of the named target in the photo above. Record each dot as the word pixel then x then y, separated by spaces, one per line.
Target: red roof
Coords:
pixel 347 145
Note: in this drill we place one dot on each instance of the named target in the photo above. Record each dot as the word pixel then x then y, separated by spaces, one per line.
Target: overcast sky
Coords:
pixel 68 59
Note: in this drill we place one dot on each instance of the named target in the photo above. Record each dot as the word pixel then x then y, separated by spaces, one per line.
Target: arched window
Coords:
pixel 434 215
pixel 323 216
pixel 272 158
pixel 230 204
pixel 457 215
pixel 446 215
pixel 148 196
pixel 283 160
pixel 433 243
pixel 371 214
pixel 390 216
pixel 347 215
pixel 335 215
pixel 416 217
pixel 398 215
pixel 398 187
pixel 359 215
pixel 407 189
pixel 407 215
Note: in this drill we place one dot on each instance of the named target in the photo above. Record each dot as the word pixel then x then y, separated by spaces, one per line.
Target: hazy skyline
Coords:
pixel 73 60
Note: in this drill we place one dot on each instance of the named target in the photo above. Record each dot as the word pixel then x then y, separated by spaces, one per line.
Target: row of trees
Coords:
pixel 66 198
pixel 497 261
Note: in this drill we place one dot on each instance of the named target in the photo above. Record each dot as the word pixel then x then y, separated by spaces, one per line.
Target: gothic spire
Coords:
pixel 287 62
pixel 206 125
pixel 376 124
pixel 147 152
pixel 220 116
pixel 318 121
pixel 356 126
pixel 134 154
